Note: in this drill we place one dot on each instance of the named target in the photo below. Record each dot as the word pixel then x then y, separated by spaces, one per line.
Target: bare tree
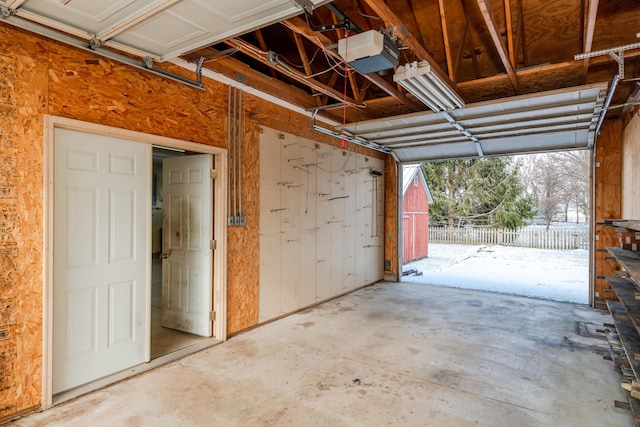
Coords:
pixel 557 182
pixel 577 171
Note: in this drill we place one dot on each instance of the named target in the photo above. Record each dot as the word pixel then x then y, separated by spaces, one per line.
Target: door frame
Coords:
pixel 219 276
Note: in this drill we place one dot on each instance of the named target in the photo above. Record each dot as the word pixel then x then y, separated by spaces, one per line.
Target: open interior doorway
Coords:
pixel 165 337
pixel 99 265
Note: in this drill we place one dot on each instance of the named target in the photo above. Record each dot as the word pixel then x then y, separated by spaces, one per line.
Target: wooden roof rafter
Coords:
pixel 468 38
pixel 263 57
pixel 519 39
pixel 509 24
pixel 498 44
pixel 305 62
pixel 445 38
pixel 263 46
pixel 381 9
pixel 590 14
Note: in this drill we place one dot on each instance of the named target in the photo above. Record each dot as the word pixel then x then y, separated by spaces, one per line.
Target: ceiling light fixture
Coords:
pixel 422 82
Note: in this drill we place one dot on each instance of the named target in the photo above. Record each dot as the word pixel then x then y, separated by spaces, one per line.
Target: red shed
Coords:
pixel 415 214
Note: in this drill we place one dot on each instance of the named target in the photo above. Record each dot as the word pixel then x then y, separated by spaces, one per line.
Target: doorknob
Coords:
pixel 164 256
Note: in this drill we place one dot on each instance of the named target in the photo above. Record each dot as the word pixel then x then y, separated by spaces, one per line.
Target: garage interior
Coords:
pixel 292 119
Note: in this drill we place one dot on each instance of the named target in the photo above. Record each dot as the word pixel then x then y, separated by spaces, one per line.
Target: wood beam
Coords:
pixel 550 68
pixel 257 54
pixel 470 42
pixel 332 82
pixel 498 44
pixel 298 25
pixel 456 66
pixel 509 25
pixel 305 61
pixel 589 28
pixel 391 20
pixel 241 72
pixel 445 37
pixel 520 40
pixel 415 21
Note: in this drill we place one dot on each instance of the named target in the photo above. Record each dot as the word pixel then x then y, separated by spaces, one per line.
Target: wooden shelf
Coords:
pixel 629 260
pixel 626 311
pixel 626 292
pixel 631 224
pixel 630 340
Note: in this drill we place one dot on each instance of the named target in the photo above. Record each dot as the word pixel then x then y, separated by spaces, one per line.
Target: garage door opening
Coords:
pixel 516 225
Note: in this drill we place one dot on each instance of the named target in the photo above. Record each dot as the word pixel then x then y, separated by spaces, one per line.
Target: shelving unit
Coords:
pixel 626 315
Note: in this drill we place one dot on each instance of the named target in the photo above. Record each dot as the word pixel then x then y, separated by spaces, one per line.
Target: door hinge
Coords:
pixel 212 316
pixel 213 245
pixel 213 174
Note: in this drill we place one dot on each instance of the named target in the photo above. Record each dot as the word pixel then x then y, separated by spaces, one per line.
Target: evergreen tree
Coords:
pixel 477 191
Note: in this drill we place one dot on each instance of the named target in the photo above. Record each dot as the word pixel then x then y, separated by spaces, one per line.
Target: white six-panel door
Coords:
pixel 101 256
pixel 187 230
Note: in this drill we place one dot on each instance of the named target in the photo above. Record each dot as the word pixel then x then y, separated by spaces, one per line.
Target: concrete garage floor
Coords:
pixel 391 354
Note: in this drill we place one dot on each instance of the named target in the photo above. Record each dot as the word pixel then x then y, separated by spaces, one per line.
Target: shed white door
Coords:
pixel 187 230
pixel 101 256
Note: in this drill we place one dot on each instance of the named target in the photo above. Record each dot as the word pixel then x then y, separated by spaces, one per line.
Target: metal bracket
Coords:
pixel 618 56
pixel 272 57
pixel 307 5
pixel 344 136
pixel 616 53
pixel 6 12
pixel 199 69
pixel 95 43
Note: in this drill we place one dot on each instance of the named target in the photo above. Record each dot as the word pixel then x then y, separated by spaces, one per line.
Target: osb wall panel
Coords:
pixel 607 200
pixel 86 87
pixel 23 85
pixel 243 249
pixel 630 170
pixel 73 83
pixel 390 218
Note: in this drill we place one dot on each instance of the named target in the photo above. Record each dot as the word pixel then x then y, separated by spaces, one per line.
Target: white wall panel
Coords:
pixel 337 203
pixel 269 305
pixel 318 228
pixel 308 226
pixel 323 222
pixel 349 248
pixel 289 186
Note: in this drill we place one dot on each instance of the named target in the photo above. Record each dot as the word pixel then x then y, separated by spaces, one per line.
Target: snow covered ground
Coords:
pixel 558 275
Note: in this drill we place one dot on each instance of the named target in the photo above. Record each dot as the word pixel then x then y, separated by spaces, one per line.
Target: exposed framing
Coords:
pixel 219 276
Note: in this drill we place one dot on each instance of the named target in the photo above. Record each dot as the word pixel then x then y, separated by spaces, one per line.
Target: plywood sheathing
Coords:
pixel 86 87
pixel 243 242
pixel 23 101
pixel 607 200
pixel 630 162
pixel 390 218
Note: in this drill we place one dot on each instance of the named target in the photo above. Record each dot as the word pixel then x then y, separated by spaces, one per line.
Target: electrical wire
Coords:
pixel 343 143
pixel 353 3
